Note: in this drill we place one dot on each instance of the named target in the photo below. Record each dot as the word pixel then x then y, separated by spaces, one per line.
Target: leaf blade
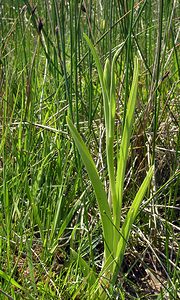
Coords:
pixel 101 197
pixel 123 154
pixel 129 220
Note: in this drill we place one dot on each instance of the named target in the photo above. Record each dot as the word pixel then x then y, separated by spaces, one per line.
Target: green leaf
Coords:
pixel 11 280
pixel 123 155
pixel 107 77
pixel 85 268
pixel 63 227
pixel 103 86
pixel 129 220
pixel 101 197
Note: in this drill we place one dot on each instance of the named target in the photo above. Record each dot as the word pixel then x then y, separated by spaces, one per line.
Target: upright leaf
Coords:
pixel 123 155
pixel 100 72
pixel 129 220
pixel 98 188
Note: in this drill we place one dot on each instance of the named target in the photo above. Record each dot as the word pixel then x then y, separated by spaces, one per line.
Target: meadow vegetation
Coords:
pixel 89 149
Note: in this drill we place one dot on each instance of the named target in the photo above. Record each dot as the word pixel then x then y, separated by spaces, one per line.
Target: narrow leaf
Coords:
pixel 107 76
pixel 98 188
pixel 123 155
pixel 11 280
pixel 103 86
pixel 85 268
pixel 129 220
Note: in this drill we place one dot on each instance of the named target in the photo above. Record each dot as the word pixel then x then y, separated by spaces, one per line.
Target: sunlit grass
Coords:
pixel 50 223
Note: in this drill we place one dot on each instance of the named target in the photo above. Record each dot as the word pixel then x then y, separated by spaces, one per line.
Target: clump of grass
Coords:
pixel 115 239
pixel 47 204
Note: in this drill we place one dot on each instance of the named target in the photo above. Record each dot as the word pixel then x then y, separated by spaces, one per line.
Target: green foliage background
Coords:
pixel 47 203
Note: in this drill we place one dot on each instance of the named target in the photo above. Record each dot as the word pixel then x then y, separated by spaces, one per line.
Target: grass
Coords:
pixel 56 242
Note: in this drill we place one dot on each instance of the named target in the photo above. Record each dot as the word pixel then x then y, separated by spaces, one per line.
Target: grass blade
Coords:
pixel 129 220
pixel 103 86
pixel 11 280
pixel 86 269
pixel 123 155
pixel 98 188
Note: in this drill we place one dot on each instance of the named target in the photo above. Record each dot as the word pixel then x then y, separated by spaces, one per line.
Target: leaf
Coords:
pixel 129 220
pixel 64 225
pixel 101 197
pixel 85 268
pixel 123 155
pixel 103 86
pixel 107 77
pixel 11 280
pixel 15 283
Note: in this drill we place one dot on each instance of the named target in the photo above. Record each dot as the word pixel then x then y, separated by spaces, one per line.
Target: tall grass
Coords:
pixel 50 227
pixel 114 241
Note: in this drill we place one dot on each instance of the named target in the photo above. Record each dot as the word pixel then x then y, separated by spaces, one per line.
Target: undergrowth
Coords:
pixel 50 223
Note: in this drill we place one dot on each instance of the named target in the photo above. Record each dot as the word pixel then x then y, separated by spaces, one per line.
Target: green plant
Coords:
pixel 46 199
pixel 115 239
